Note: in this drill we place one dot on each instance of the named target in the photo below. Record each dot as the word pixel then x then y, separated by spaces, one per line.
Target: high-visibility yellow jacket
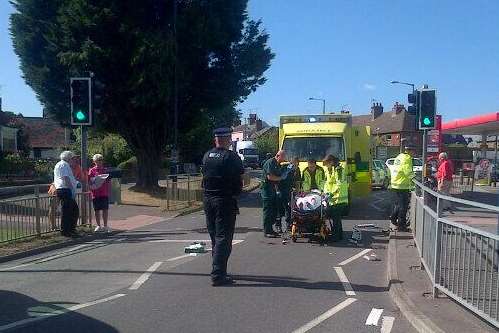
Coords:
pixel 336 184
pixel 320 178
pixel 402 173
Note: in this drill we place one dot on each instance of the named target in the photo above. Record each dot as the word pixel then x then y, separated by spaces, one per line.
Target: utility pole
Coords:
pixel 175 85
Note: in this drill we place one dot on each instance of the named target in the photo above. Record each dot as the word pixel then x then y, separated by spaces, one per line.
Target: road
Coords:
pixel 141 281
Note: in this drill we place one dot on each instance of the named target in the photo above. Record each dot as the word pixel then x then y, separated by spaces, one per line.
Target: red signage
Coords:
pixel 434 139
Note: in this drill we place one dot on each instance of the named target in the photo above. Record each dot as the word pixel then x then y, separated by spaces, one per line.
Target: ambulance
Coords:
pixel 316 136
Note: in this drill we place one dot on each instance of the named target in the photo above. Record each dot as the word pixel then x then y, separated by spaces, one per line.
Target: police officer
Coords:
pixel 401 184
pixel 222 182
pixel 271 178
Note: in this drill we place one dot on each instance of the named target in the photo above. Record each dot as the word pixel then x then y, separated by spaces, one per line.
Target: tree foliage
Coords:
pixel 268 143
pixel 112 146
pixel 218 53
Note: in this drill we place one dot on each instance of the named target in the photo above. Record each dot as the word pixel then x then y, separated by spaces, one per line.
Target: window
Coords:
pixel 248 151
pixel 313 147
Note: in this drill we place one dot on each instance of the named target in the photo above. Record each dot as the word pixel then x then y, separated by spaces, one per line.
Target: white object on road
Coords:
pixel 387 324
pixel 326 315
pixel 197 247
pixel 373 318
pixel 352 258
pixel 344 280
pixel 372 257
pixel 144 277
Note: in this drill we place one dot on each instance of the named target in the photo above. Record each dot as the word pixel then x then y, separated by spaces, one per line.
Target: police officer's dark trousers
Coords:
pixel 220 220
pixel 400 207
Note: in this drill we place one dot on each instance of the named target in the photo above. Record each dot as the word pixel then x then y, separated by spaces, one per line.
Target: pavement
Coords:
pixel 141 280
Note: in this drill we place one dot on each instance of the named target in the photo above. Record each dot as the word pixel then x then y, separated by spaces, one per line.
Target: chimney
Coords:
pixel 376 110
pixel 398 108
pixel 259 124
pixel 252 119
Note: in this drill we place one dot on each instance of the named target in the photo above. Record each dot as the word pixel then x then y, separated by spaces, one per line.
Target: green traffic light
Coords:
pixel 80 116
pixel 426 121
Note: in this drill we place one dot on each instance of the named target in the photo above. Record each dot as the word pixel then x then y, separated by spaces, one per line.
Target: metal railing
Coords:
pixel 181 191
pixel 184 190
pixel 461 261
pixel 36 214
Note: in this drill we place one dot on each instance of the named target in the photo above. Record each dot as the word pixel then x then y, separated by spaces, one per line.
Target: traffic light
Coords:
pixel 81 104
pixel 427 108
pixel 414 100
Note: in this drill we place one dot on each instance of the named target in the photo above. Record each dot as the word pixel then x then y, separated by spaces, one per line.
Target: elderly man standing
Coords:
pixel 271 178
pixel 444 178
pixel 65 185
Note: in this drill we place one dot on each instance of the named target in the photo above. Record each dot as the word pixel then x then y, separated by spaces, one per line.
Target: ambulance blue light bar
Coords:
pixel 326 118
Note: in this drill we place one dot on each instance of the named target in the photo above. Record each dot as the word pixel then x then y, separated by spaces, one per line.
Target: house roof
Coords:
pixel 387 122
pixel 262 132
pixel 43 132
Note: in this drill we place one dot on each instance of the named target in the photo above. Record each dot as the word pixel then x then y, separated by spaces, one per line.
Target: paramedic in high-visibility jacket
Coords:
pixel 313 177
pixel 402 175
pixel 332 187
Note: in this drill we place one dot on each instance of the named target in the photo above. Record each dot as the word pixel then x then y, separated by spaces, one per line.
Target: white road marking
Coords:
pixel 182 257
pixel 234 242
pixel 387 324
pixel 326 315
pixel 346 284
pixel 352 258
pixel 55 256
pixel 373 318
pixel 57 313
pixel 144 277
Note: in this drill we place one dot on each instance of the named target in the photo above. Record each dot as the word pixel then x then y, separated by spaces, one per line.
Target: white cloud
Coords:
pixel 369 86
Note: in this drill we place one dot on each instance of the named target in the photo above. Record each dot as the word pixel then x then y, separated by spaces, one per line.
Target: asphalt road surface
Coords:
pixel 142 281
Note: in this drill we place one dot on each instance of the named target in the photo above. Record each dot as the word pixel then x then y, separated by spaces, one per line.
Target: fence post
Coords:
pixel 167 195
pixel 37 211
pixel 188 190
pixel 436 258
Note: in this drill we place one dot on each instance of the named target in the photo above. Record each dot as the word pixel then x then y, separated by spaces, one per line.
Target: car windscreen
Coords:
pixel 313 147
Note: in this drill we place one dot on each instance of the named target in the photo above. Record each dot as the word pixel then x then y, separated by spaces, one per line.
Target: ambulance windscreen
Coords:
pixel 313 147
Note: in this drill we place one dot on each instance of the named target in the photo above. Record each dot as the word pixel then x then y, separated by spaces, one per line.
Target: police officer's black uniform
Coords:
pixel 222 170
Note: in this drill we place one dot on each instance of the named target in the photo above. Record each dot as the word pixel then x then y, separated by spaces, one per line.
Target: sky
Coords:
pixel 347 52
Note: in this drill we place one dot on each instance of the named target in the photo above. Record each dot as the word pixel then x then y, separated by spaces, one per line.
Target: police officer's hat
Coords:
pixel 311 160
pixel 409 147
pixel 222 132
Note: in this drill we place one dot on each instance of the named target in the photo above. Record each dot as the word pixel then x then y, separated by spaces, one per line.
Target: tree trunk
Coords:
pixel 148 163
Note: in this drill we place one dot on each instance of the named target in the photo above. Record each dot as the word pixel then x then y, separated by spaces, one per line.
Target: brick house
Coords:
pixel 47 138
pixel 389 128
pixel 243 132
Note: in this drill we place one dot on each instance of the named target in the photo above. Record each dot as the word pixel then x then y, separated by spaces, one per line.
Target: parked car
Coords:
pixel 417 165
pixel 380 175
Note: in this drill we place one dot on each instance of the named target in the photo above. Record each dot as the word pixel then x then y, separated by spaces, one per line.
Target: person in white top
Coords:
pixel 65 184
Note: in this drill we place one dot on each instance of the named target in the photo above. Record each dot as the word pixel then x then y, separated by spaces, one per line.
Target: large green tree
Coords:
pixel 218 53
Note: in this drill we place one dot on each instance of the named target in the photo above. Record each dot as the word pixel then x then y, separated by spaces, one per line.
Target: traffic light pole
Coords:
pixel 424 154
pixel 84 165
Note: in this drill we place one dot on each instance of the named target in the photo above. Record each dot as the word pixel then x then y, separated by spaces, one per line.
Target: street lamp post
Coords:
pixel 323 103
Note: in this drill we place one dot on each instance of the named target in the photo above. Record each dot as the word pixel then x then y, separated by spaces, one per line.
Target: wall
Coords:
pixel 238 136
